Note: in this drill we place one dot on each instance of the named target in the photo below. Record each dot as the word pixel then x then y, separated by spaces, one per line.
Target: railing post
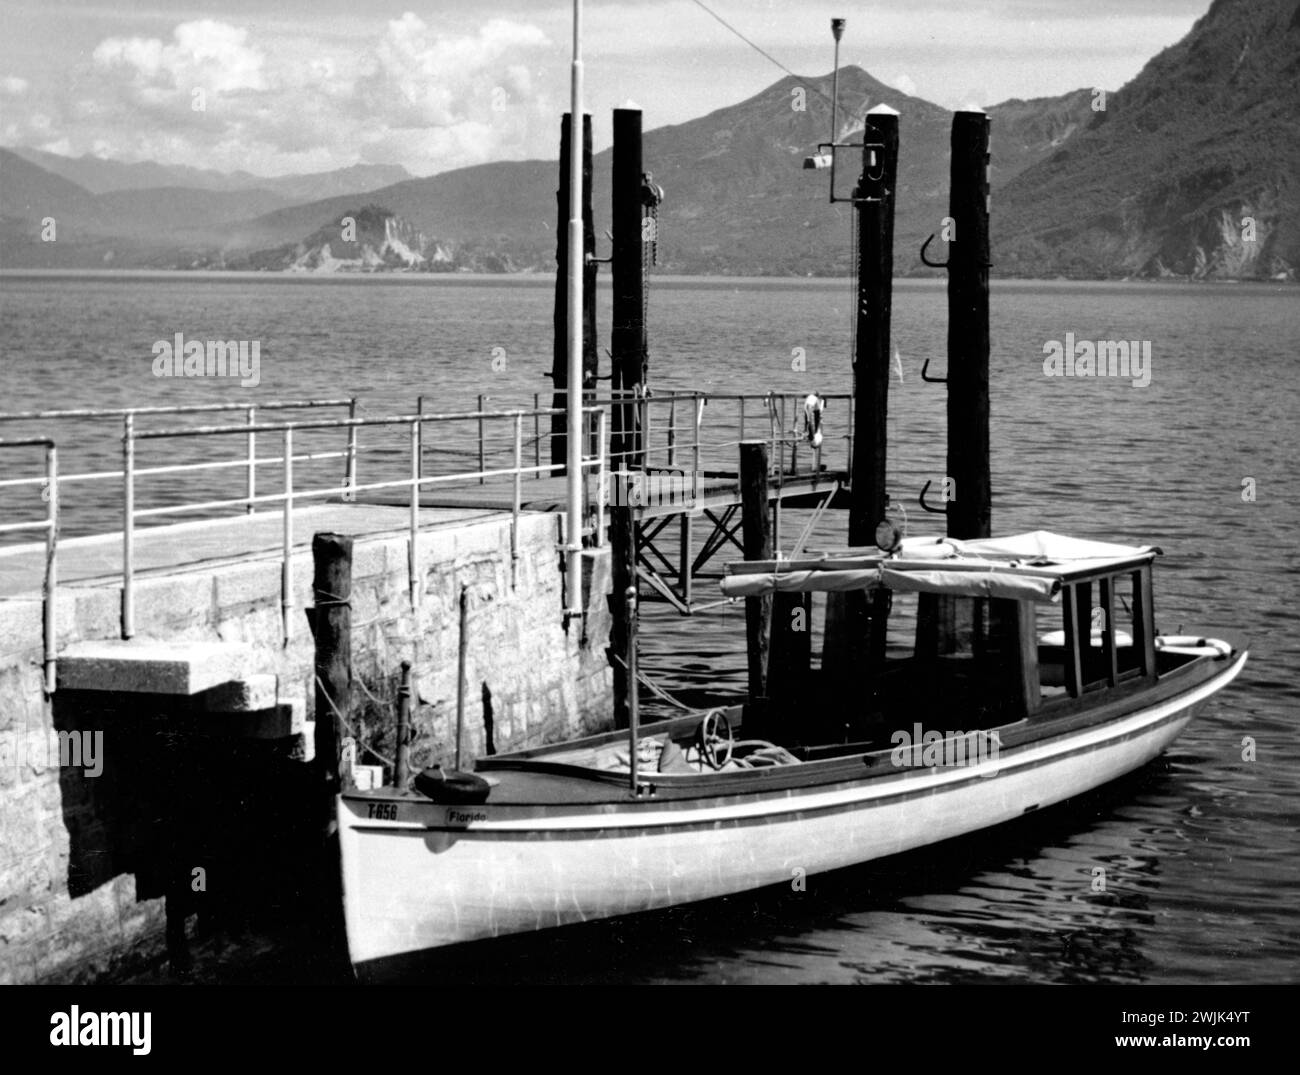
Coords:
pixel 251 486
pixel 537 436
pixel 481 464
pixel 414 552
pixel 698 407
pixel 742 418
pixel 672 432
pixel 419 409
pixel 350 473
pixel 514 514
pixel 51 564
pixel 286 563
pixel 128 526
pixel 848 469
pixel 602 480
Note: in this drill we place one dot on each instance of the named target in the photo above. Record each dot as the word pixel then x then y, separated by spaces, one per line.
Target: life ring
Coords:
pixel 1193 646
pixel 452 786
pixel 1057 638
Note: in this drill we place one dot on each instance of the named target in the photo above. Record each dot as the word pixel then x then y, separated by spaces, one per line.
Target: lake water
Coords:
pixel 1200 848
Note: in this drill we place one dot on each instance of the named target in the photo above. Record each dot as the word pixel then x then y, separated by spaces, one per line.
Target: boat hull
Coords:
pixel 421 875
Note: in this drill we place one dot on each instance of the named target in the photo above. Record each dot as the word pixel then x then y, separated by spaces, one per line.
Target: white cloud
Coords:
pixel 13 86
pixel 411 93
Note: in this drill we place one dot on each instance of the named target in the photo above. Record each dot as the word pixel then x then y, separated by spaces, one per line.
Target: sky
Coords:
pixel 295 86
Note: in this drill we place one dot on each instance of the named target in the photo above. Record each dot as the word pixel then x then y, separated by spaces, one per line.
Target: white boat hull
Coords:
pixel 440 875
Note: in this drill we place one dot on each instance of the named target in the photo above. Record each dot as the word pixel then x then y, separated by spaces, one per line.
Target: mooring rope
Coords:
pixel 351 730
pixel 658 691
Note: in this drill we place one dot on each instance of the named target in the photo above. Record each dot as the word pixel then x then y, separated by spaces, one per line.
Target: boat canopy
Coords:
pixel 1021 567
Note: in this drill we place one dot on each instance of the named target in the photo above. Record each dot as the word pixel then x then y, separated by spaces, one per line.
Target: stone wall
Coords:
pixel 95 868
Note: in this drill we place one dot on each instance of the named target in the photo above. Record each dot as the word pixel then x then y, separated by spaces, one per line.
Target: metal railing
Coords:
pixel 677 430
pixel 50 525
pixel 290 494
pixel 130 415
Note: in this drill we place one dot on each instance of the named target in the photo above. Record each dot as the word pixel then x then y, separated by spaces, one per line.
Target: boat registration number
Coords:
pixel 383 811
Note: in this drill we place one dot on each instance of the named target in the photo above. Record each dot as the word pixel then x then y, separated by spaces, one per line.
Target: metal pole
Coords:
pixel 573 382
pixel 350 475
pixel 837 29
pixel 51 563
pixel 286 566
pixel 481 466
pixel 413 558
pixel 419 409
pixel 633 708
pixel 537 436
pixel 514 516
pixel 602 479
pixel 460 670
pixel 698 408
pixel 672 432
pixel 128 526
pixel 251 485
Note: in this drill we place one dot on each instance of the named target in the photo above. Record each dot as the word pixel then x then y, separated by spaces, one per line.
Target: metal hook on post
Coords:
pixel 921 500
pixel 933 264
pixel 932 380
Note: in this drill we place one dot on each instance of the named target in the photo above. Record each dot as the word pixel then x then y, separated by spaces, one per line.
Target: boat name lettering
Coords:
pixel 463 817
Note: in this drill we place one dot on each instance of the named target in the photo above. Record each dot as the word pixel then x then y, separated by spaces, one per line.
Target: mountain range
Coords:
pixel 1189 170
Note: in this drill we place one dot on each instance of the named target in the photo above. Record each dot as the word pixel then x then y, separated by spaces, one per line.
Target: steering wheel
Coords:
pixel 715 730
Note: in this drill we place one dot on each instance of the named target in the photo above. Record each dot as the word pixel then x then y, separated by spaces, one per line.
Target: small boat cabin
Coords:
pixel 1004 628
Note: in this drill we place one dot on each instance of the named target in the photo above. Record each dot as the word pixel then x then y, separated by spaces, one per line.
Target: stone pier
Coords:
pixel 164 781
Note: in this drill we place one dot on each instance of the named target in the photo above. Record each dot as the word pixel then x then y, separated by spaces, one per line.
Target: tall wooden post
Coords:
pixel 332 627
pixel 970 511
pixel 628 336
pixel 559 364
pixel 756 539
pixel 790 657
pixel 622 541
pixel 946 625
pixel 867 615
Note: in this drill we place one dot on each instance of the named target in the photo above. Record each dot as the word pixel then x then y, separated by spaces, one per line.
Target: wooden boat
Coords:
pixel 1036 674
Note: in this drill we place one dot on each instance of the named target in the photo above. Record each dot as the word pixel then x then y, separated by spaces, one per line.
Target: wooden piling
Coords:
pixel 332 627
pixel 559 366
pixel 402 768
pixel 790 656
pixel 970 512
pixel 628 349
pixel 462 652
pixel 622 540
pixel 757 543
pixel 867 615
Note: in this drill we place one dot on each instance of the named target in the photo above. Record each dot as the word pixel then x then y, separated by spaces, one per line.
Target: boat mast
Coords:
pixel 573 395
